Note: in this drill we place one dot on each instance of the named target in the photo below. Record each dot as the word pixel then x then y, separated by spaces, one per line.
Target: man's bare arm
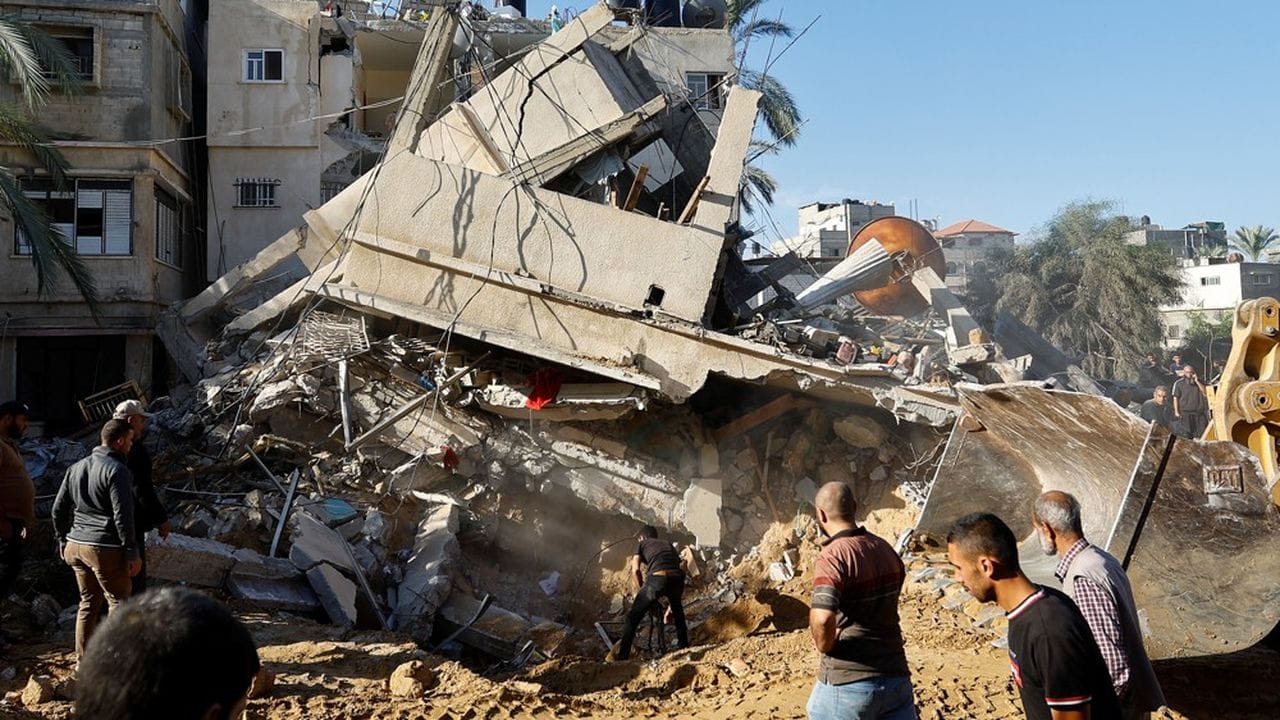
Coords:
pixel 1080 713
pixel 822 625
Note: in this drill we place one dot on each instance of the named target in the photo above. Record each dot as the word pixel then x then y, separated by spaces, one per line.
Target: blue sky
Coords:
pixel 1005 111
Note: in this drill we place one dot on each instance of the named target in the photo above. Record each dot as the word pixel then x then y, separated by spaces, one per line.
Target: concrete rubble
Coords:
pixel 571 330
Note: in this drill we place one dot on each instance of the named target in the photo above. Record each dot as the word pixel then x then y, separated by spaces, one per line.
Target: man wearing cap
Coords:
pixel 149 513
pixel 17 494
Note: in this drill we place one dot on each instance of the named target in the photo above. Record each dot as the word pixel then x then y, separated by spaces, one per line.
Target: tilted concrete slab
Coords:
pixel 428 574
pixel 336 593
pixel 190 560
pixel 494 225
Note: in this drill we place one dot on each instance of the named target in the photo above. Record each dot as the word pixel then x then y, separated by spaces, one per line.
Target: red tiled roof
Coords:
pixel 971 226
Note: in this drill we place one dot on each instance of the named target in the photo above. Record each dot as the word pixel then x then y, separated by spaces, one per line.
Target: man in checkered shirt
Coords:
pixel 1098 585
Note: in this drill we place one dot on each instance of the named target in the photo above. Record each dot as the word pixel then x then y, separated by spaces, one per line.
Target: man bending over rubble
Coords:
pixel 862 672
pixel 665 580
pixel 171 653
pixel 93 519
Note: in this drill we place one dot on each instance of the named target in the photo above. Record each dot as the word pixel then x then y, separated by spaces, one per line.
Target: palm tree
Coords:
pixel 1211 251
pixel 31 56
pixel 1254 241
pixel 778 107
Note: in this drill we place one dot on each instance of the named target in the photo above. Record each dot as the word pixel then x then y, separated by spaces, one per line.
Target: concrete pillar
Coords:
pixel 8 368
pixel 137 360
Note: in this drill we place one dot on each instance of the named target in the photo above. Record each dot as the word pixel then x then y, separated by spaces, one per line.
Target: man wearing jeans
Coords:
pixel 664 579
pixel 93 519
pixel 862 669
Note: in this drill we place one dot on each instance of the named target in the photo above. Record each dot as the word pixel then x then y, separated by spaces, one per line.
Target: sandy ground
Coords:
pixel 957 672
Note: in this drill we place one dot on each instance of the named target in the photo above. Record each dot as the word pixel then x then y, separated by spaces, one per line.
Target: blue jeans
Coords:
pixel 874 699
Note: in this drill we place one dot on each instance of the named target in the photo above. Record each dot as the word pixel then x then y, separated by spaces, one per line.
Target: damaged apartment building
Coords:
pixel 534 301
pixel 303 96
pixel 127 207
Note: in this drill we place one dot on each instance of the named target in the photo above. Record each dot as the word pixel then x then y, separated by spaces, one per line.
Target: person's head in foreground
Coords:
pixel 984 552
pixel 169 653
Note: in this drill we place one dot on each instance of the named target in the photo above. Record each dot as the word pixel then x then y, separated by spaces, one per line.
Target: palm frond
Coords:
pixel 19 129
pixel 22 62
pixel 762 28
pixel 778 107
pixel 739 12
pixel 758 186
pixel 1254 241
pixel 54 58
pixel 50 250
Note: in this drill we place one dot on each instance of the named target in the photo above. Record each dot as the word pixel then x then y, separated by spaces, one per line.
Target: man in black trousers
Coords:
pixel 664 579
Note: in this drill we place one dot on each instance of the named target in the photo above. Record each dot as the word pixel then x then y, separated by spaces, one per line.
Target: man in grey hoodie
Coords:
pixel 93 519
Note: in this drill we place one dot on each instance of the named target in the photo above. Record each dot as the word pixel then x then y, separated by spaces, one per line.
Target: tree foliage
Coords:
pixel 27 54
pixel 778 108
pixel 1254 241
pixel 1089 292
pixel 1208 338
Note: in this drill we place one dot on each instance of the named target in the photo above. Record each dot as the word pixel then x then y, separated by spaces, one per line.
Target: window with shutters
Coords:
pixel 95 216
pixel 171 229
pixel 264 65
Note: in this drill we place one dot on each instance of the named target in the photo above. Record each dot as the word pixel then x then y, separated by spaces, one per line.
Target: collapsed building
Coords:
pixel 525 331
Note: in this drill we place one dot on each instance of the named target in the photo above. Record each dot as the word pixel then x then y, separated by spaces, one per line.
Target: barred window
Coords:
pixel 256 192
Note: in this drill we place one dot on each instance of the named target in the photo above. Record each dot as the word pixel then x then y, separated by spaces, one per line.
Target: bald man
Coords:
pixel 862 670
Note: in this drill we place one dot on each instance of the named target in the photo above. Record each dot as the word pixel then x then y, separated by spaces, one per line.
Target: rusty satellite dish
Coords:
pixel 912 246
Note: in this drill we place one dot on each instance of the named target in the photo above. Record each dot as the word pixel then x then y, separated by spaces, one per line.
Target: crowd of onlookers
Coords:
pixel 1179 402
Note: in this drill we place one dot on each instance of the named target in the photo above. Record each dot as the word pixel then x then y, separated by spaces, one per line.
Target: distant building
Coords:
pixel 1190 241
pixel 826 229
pixel 1214 287
pixel 968 244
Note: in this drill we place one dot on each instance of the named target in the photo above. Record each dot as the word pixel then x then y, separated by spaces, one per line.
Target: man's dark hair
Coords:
pixel 114 430
pixel 15 408
pixel 985 534
pixel 649 531
pixel 171 653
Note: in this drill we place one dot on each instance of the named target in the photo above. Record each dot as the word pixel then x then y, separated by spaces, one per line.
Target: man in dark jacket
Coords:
pixel 664 578
pixel 149 512
pixel 93 519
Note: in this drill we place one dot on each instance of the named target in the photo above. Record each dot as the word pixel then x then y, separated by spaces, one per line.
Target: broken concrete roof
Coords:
pixel 464 226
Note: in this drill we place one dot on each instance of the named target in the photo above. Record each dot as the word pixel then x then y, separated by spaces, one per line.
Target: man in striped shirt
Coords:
pixel 1097 583
pixel 862 668
pixel 1057 667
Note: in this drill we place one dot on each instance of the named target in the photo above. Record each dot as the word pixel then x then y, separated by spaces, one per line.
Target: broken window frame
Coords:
pixel 706 90
pixel 251 67
pixel 178 85
pixel 257 193
pixel 171 229
pixel 113 198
